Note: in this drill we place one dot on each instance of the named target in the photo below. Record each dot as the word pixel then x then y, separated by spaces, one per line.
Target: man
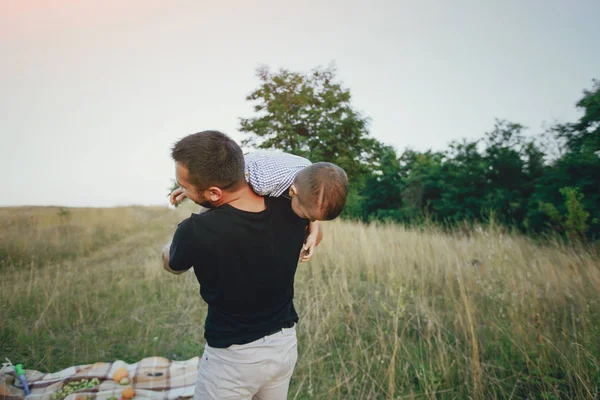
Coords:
pixel 244 251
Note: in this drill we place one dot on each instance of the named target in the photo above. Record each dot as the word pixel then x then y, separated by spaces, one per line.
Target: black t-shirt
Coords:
pixel 245 263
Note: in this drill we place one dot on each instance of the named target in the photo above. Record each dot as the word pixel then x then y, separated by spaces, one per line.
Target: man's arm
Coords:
pixel 178 255
pixel 165 257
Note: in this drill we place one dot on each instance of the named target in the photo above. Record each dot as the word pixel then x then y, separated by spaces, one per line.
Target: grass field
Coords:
pixel 386 312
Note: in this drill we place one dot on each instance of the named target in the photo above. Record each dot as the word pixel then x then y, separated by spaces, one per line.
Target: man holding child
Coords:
pixel 245 251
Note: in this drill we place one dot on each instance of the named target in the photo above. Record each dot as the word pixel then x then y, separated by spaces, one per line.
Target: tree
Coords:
pixel 310 115
pixel 575 221
pixel 464 177
pixel 507 185
pixel 382 190
pixel 578 166
pixel 583 136
pixel 423 183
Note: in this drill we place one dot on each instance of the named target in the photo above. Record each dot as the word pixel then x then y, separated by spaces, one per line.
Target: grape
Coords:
pixel 74 386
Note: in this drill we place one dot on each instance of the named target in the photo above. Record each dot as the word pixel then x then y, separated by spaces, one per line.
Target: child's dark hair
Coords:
pixel 324 184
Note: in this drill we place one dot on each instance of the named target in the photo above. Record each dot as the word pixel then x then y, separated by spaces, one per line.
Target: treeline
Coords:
pixel 547 183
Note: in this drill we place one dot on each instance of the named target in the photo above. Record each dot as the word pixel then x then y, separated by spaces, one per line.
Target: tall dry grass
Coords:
pixel 386 312
pixel 40 235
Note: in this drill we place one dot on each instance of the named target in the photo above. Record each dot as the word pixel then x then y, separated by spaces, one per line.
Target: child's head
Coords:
pixel 319 192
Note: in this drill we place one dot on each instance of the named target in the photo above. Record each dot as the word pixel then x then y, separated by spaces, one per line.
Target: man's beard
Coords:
pixel 205 204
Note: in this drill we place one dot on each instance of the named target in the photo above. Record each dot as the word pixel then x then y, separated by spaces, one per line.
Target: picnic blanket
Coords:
pixel 151 378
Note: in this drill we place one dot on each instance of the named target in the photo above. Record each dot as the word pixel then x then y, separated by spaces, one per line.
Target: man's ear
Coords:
pixel 293 191
pixel 214 194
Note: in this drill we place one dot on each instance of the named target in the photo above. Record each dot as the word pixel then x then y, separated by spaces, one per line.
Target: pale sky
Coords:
pixel 94 93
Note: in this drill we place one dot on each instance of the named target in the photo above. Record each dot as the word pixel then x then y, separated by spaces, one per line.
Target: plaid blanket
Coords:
pixel 151 378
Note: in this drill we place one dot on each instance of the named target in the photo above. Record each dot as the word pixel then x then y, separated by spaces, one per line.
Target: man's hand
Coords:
pixel 315 234
pixel 177 196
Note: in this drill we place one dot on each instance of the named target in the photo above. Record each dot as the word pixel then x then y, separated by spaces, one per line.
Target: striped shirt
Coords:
pixel 271 173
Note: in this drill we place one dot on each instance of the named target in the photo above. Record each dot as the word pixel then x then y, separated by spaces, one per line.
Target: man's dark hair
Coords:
pixel 212 158
pixel 326 186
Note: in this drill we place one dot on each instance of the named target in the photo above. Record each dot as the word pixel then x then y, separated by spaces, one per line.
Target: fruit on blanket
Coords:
pixel 128 393
pixel 120 373
pixel 73 386
pixel 124 381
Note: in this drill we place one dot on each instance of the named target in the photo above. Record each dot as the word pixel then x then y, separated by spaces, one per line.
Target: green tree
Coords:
pixel 529 183
pixel 578 167
pixel 422 183
pixel 574 222
pixel 310 115
pixel 465 181
pixel 382 190
pixel 507 184
pixel 583 136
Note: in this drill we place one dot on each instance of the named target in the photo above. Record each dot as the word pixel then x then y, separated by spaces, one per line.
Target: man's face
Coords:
pixel 191 191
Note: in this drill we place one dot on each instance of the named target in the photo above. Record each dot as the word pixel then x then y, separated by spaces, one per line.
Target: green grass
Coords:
pixel 385 311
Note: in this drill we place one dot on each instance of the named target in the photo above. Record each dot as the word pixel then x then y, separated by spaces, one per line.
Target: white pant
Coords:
pixel 260 370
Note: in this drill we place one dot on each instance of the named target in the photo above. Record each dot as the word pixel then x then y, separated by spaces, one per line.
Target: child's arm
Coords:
pixel 314 237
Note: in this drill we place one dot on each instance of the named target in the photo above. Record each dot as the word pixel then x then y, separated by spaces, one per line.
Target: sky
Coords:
pixel 94 93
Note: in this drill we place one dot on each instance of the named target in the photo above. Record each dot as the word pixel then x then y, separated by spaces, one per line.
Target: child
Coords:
pixel 317 191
